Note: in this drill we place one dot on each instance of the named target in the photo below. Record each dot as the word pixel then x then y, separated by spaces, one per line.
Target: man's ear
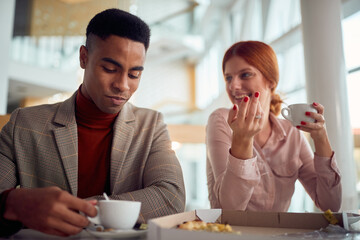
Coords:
pixel 83 56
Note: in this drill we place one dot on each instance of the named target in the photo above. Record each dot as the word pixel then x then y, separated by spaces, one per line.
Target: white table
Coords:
pixel 32 234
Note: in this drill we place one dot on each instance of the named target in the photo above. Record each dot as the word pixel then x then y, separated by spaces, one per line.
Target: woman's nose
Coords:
pixel 235 84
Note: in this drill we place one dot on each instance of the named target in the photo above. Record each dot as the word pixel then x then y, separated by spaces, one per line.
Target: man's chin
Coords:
pixel 112 110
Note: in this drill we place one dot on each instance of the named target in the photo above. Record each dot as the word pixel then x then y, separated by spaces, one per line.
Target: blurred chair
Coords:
pixel 184 133
pixel 3 120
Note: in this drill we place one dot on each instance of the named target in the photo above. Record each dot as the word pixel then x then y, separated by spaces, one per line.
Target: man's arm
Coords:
pixel 163 190
pixel 49 210
pixel 8 179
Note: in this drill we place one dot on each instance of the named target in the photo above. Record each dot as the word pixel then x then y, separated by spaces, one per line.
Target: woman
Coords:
pixel 254 158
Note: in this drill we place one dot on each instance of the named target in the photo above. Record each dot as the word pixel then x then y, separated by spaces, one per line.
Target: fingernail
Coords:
pixel 315 104
pixel 257 94
pixel 303 123
pixel 298 127
pixel 234 107
pixel 246 99
pixel 307 113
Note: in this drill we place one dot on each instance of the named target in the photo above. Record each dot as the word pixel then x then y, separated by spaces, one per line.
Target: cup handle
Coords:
pixel 286 113
pixel 96 219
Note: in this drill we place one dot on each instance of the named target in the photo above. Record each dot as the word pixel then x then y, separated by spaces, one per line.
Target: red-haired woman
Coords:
pixel 253 157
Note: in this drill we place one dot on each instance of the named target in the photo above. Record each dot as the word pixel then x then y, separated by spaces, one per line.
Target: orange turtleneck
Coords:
pixel 94 146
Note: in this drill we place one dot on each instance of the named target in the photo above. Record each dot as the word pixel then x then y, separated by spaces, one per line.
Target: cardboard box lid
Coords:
pixel 165 227
pixel 277 219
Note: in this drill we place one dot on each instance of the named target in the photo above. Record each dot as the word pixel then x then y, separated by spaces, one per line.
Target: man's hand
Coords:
pixel 49 210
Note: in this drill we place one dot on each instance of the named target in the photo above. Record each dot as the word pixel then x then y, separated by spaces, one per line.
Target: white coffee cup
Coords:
pixel 117 214
pixel 295 113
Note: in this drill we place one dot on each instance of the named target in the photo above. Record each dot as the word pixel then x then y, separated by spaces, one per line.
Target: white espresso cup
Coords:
pixel 295 113
pixel 117 214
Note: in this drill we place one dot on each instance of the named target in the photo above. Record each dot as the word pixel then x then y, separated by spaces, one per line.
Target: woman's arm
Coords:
pixel 234 179
pixel 320 177
pixel 318 131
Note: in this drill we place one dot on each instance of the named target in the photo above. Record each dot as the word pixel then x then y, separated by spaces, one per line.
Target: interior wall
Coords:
pixel 165 87
pixel 57 17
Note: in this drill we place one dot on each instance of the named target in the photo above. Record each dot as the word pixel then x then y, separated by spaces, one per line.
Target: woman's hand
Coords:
pixel 245 120
pixel 318 131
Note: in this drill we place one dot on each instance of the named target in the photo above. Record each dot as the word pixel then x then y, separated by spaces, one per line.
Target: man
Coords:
pixel 55 158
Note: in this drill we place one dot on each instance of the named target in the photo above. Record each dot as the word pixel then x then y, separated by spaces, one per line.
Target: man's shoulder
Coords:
pixel 141 112
pixel 35 116
pixel 36 112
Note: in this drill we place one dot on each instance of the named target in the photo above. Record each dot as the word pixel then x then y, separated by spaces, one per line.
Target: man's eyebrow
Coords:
pixel 112 61
pixel 137 68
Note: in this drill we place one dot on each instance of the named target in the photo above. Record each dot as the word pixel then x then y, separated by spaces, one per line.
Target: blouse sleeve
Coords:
pixel 320 177
pixel 234 179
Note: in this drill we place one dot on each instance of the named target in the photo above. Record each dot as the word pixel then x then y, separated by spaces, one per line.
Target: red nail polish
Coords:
pixel 303 123
pixel 246 99
pixel 298 127
pixel 307 113
pixel 234 107
pixel 257 94
pixel 315 104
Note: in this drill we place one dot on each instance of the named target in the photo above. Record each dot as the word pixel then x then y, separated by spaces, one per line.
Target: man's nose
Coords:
pixel 121 83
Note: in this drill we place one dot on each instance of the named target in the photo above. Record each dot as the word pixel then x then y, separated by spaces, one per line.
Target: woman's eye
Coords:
pixel 246 75
pixel 228 78
pixel 109 70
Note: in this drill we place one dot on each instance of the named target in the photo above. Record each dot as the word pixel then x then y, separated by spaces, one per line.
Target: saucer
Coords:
pixel 117 233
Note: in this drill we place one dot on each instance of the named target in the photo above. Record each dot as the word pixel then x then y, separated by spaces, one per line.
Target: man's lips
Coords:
pixel 117 100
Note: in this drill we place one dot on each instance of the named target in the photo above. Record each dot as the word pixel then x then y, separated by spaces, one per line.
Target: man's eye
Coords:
pixel 134 75
pixel 109 70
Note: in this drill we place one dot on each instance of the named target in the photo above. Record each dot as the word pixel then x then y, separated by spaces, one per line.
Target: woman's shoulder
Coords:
pixel 220 112
pixel 218 115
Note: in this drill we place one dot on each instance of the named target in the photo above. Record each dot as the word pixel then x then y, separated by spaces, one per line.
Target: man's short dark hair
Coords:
pixel 118 22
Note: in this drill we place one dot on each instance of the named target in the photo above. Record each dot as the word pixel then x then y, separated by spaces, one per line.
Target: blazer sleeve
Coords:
pixel 8 179
pixel 163 191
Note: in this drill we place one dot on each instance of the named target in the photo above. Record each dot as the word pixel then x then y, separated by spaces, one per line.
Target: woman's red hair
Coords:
pixel 262 57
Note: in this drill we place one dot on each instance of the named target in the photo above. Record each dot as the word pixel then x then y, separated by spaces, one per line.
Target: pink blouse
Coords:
pixel 266 182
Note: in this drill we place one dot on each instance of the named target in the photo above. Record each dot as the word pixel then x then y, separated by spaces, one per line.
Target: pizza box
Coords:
pixel 249 225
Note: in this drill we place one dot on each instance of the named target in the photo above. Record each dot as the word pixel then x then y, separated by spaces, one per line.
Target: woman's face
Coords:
pixel 242 80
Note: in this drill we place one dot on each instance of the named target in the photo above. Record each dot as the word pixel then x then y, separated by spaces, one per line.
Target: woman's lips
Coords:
pixel 239 98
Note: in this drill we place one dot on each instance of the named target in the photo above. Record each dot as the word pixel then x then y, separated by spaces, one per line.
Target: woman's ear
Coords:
pixel 271 85
pixel 83 56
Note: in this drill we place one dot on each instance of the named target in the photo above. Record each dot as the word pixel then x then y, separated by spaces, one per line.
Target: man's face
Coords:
pixel 113 69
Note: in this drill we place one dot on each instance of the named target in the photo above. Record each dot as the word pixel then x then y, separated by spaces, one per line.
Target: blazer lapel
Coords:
pixel 67 141
pixel 123 135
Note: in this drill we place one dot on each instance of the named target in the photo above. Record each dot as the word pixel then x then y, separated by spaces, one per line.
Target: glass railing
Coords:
pixel 54 52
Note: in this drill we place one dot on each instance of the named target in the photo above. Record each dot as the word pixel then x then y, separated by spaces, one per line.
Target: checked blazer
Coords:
pixel 38 148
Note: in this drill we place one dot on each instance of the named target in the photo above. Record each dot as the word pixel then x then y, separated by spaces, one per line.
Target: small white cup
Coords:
pixel 295 113
pixel 117 214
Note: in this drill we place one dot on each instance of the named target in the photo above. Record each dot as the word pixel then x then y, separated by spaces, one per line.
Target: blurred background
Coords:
pixel 316 41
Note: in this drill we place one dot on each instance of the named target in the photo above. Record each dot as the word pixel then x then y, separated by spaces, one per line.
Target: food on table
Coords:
pixel 330 217
pixel 198 225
